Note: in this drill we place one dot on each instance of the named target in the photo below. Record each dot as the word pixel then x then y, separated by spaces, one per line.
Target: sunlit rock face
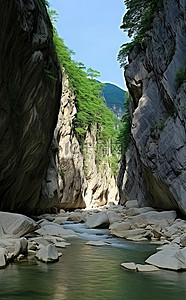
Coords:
pixel 73 174
pixel 156 159
pixel 30 90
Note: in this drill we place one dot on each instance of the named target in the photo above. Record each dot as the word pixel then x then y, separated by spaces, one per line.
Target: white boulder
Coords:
pixel 48 254
pixel 16 224
pixel 172 259
pixel 99 219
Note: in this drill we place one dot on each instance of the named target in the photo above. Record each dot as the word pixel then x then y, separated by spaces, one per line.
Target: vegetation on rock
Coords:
pixel 137 21
pixel 114 96
pixel 125 130
pixel 90 106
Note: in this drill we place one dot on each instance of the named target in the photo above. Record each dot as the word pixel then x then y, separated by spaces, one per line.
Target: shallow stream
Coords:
pixel 88 272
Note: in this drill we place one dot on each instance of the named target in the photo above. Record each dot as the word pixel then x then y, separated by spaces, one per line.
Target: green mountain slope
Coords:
pixel 114 97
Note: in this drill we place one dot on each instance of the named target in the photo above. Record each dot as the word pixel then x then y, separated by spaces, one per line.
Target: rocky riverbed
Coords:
pixel 46 235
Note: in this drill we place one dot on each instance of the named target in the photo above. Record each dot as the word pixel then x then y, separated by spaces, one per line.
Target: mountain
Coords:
pixel 114 97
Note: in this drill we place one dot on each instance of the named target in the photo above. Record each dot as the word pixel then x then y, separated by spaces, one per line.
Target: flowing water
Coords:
pixel 87 272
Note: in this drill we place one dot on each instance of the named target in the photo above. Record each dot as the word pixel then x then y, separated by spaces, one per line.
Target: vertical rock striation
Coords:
pixel 76 179
pixel 156 159
pixel 30 90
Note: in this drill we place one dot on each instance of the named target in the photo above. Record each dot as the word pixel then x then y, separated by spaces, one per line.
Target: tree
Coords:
pixel 92 73
pixel 137 21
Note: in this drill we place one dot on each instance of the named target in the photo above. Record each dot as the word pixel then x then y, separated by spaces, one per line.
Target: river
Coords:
pixel 88 272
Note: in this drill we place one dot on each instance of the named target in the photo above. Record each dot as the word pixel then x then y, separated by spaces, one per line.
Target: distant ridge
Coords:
pixel 114 96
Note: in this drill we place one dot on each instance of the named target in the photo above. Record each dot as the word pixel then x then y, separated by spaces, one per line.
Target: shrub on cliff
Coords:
pixel 137 21
pixel 125 130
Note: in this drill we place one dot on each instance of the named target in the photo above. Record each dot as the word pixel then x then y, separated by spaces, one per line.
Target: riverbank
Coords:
pixel 45 236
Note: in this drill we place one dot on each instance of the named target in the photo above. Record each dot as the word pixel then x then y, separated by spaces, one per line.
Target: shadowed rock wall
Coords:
pixel 30 90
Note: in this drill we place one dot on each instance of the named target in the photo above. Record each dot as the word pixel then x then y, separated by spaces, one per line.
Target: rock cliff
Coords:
pixel 155 171
pixel 73 174
pixel 30 91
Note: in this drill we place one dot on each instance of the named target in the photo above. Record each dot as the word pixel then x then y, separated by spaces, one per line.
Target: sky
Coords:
pixel 91 28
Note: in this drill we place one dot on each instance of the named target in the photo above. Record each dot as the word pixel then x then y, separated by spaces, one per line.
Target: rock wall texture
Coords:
pixel 30 91
pixel 73 174
pixel 155 171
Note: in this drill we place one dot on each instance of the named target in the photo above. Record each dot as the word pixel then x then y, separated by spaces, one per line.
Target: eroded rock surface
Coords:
pixel 156 159
pixel 73 174
pixel 30 89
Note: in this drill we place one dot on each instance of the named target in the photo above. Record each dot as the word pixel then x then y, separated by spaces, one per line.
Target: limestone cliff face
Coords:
pixel 79 183
pixel 156 159
pixel 30 89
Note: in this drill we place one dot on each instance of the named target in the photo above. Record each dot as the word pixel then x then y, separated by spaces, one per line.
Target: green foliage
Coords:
pixel 114 97
pixel 125 130
pixel 92 73
pixel 137 21
pixel 158 125
pixel 90 106
pixel 181 74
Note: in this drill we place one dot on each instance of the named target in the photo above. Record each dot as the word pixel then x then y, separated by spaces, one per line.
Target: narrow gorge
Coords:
pixel 103 196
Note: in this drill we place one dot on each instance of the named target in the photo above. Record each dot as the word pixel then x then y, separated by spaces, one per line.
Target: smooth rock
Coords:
pixel 131 204
pixel 40 241
pixel 48 254
pixel 55 230
pixel 164 218
pixel 146 268
pixel 129 266
pixel 58 220
pixel 77 217
pixel 172 259
pixel 128 234
pixel 98 220
pixel 3 260
pixel 134 211
pixel 114 217
pixel 16 225
pixel 118 228
pixel 96 243
pixel 21 247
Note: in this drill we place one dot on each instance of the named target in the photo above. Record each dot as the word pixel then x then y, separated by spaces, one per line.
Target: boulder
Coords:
pixel 146 268
pixel 134 211
pixel 131 204
pixel 21 247
pixel 172 259
pixel 163 219
pixel 117 229
pixel 40 241
pixel 98 220
pixel 135 234
pixel 77 217
pixel 3 260
pixel 48 254
pixel 16 224
pixel 114 217
pixel 129 266
pixel 55 230
pixel 59 220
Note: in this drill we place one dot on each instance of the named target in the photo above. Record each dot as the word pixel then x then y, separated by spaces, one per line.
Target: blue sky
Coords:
pixel 91 29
